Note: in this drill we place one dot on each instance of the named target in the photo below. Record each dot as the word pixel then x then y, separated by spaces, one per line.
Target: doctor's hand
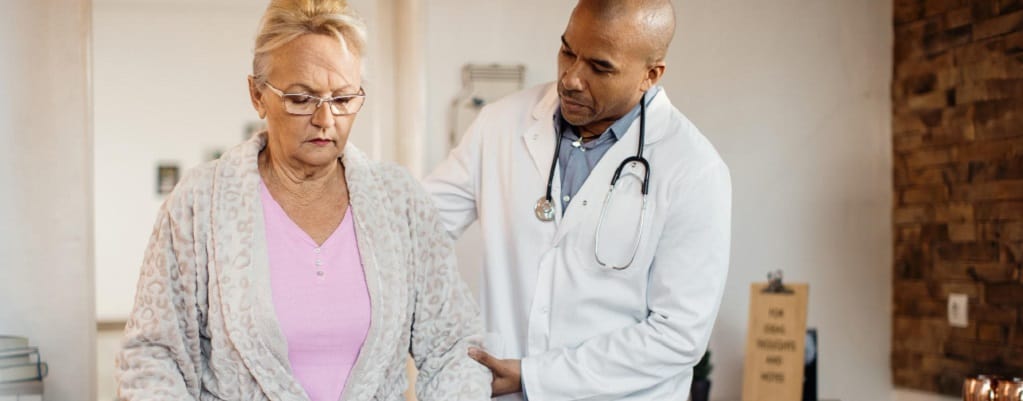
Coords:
pixel 507 372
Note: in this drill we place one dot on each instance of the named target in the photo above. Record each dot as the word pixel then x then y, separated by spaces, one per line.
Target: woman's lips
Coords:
pixel 321 142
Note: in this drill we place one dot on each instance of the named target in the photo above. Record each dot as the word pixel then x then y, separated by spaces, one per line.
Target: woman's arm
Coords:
pixel 446 320
pixel 160 351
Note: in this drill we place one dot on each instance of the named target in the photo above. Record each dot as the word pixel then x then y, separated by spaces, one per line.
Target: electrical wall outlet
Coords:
pixel 958 310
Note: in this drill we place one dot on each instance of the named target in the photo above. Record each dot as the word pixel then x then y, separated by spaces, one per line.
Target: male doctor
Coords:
pixel 594 297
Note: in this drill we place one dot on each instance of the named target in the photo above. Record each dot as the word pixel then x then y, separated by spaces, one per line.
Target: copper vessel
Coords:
pixel 1009 389
pixel 979 388
pixel 992 388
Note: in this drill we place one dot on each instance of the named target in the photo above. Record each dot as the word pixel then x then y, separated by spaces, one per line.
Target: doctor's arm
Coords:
pixel 685 286
pixel 454 183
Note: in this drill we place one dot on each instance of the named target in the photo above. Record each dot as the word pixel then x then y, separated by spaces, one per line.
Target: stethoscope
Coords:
pixel 545 206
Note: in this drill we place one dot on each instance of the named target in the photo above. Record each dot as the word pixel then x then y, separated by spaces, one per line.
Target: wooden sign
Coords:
pixel 773 367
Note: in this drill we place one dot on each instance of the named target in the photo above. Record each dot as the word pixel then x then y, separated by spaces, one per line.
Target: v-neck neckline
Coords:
pixel 298 229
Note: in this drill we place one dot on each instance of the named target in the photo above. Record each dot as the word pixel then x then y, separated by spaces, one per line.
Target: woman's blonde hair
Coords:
pixel 286 20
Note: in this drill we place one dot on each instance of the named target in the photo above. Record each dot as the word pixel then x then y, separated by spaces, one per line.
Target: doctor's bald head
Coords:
pixel 612 51
pixel 650 23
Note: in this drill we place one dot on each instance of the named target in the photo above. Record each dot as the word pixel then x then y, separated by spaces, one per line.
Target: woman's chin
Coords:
pixel 321 156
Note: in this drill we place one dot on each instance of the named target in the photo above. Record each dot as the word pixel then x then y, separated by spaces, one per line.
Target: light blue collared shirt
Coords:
pixel 578 161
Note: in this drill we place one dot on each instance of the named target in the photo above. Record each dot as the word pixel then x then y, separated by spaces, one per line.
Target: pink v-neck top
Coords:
pixel 320 297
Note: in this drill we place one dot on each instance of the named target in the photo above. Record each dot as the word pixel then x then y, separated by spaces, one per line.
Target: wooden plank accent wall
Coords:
pixel 957 95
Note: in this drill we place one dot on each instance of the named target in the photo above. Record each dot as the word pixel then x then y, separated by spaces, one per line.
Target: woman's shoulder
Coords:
pixel 196 184
pixel 395 175
pixel 232 165
pixel 384 175
pixel 397 183
pixel 387 182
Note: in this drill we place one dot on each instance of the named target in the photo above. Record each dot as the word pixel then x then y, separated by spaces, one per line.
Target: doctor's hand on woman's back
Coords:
pixel 507 372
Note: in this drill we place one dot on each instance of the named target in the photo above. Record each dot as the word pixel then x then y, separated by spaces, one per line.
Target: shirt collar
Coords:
pixel 619 127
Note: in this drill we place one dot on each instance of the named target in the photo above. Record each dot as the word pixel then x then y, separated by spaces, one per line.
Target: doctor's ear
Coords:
pixel 256 96
pixel 653 75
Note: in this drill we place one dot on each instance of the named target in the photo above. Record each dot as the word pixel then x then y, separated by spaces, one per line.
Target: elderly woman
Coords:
pixel 294 268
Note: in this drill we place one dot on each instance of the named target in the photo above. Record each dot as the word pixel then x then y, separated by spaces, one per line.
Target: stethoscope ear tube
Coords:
pixel 600 224
pixel 646 171
pixel 638 158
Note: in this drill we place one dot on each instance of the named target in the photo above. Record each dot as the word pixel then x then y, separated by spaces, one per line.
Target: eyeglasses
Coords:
pixel 301 104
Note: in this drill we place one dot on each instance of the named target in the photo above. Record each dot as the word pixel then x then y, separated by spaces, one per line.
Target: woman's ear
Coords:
pixel 256 96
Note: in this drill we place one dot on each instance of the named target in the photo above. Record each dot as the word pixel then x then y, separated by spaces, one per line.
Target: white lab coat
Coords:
pixel 585 332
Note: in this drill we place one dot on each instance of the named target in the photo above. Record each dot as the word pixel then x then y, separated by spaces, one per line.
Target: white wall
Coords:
pixel 46 277
pixel 170 86
pixel 795 96
pixel 484 32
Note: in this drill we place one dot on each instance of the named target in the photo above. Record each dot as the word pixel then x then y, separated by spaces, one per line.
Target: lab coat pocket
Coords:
pixel 623 225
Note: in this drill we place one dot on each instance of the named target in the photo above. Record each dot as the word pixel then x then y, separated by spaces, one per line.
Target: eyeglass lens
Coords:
pixel 306 105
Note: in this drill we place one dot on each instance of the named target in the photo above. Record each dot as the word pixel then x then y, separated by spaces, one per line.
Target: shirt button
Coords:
pixel 545 310
pixel 317 250
pixel 566 198
pixel 319 262
pixel 319 273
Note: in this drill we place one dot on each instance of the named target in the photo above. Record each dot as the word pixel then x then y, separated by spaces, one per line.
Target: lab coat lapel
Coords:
pixel 540 136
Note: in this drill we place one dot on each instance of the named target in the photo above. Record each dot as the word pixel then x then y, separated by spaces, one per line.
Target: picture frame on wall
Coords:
pixel 214 154
pixel 167 176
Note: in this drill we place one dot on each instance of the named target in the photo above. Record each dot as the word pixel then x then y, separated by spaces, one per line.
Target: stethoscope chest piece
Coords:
pixel 544 209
